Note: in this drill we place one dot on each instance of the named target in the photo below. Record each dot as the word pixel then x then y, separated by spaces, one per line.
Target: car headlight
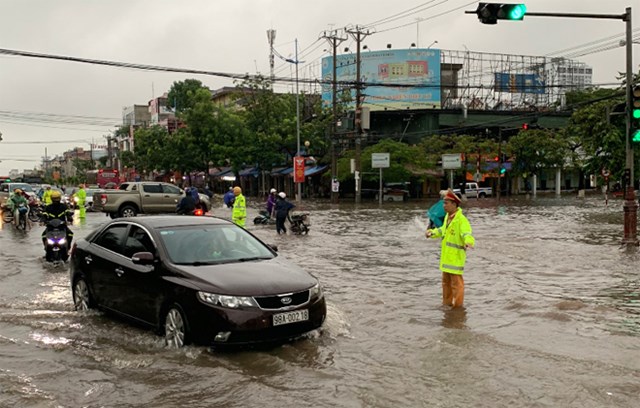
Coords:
pixel 315 291
pixel 232 302
pixel 50 241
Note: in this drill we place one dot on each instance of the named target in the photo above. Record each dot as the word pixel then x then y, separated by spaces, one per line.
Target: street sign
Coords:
pixel 380 160
pixel 335 186
pixel 451 161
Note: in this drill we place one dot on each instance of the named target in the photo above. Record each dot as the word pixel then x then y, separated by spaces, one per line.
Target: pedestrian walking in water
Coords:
pixel 81 195
pixel 271 202
pixel 229 197
pixel 282 211
pixel 456 239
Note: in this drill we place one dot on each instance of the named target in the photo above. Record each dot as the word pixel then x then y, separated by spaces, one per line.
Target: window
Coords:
pixel 138 241
pixel 152 188
pixel 112 238
pixel 169 189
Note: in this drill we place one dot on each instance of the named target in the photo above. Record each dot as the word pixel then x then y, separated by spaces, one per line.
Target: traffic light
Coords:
pixel 525 126
pixel 490 13
pixel 503 170
pixel 635 115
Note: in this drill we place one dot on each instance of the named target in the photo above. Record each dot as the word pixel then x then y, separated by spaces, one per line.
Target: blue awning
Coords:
pixel 253 171
pixel 310 171
pixel 228 172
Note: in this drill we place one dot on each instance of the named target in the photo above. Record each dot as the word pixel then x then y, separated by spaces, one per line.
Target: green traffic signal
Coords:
pixel 636 113
pixel 503 170
pixel 513 11
pixel 635 136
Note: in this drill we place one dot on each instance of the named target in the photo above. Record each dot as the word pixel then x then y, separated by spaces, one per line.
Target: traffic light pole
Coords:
pixel 630 203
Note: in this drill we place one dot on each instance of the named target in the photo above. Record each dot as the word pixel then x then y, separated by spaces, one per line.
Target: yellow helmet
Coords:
pixel 17 191
pixel 56 196
pixel 237 190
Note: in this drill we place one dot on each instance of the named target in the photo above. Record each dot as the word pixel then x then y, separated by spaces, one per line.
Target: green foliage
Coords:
pixel 403 160
pixel 182 94
pixel 535 150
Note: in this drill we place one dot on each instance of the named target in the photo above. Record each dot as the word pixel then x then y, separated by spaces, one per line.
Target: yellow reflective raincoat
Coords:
pixel 455 236
pixel 239 214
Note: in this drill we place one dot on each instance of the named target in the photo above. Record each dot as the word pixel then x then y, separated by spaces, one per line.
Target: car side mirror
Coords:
pixel 274 247
pixel 143 258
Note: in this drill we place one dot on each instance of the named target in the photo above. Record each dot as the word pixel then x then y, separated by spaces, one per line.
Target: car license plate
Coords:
pixel 290 317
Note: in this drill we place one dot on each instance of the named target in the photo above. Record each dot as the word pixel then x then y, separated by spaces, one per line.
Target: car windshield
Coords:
pixel 23 187
pixel 212 244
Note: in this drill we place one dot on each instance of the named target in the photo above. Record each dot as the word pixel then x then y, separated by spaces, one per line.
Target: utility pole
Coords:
pixel 271 37
pixel 334 39
pixel 358 35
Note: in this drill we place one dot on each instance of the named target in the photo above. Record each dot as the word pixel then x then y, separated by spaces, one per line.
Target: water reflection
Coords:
pixel 454 318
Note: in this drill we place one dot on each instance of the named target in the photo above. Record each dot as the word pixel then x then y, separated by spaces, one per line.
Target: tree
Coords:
pixel 182 94
pixel 536 150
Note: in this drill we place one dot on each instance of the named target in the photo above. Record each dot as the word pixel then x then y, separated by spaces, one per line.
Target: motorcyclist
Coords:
pixel 14 202
pixel 57 210
pixel 187 204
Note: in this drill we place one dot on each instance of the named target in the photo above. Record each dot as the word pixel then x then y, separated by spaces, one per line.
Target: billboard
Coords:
pixel 519 83
pixel 409 78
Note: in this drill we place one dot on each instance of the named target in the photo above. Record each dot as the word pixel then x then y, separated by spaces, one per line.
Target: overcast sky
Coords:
pixel 230 36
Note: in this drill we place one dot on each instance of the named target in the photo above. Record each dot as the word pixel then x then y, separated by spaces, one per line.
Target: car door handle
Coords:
pixel 88 259
pixel 119 272
pixel 147 195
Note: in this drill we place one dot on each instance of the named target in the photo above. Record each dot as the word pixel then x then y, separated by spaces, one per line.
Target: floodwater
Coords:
pixel 552 319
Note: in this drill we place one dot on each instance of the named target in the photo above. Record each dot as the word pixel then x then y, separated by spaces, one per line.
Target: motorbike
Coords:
pixel 300 223
pixel 57 249
pixel 35 212
pixel 264 218
pixel 7 216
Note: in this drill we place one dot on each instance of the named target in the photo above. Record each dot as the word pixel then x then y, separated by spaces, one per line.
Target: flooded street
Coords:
pixel 552 319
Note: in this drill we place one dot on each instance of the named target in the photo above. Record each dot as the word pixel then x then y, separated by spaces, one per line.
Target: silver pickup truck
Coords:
pixel 145 197
pixel 473 190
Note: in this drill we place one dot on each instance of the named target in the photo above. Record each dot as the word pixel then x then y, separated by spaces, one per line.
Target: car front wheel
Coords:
pixel 82 299
pixel 175 328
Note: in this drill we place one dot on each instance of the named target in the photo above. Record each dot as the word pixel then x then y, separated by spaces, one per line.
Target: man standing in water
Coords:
pixel 456 239
pixel 239 213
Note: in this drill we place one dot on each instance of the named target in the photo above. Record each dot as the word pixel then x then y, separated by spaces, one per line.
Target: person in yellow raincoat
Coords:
pixel 239 214
pixel 81 196
pixel 46 195
pixel 456 239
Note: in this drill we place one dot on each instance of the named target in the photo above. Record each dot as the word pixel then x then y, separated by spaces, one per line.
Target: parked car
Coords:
pixel 40 191
pixel 195 279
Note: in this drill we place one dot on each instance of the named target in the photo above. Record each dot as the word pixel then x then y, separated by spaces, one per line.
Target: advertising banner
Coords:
pixel 519 83
pixel 298 169
pixel 393 79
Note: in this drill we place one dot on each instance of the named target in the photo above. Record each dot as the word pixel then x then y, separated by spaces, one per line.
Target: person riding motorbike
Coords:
pixel 57 210
pixel 187 204
pixel 14 202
